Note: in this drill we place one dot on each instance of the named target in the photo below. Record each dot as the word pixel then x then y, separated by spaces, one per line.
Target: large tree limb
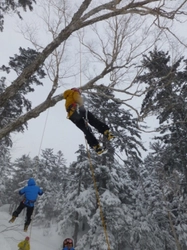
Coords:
pixel 49 102
pixel 28 71
pixel 29 115
pixel 76 24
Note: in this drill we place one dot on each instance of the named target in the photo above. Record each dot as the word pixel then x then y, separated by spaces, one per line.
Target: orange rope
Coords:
pixel 98 198
pixel 93 174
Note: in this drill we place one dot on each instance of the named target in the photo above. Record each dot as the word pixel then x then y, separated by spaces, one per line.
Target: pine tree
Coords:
pixel 81 212
pixel 9 6
pixel 17 105
pixel 5 173
pixel 21 170
pixel 50 174
pixel 163 198
pixel 79 197
pixel 121 122
pixel 166 97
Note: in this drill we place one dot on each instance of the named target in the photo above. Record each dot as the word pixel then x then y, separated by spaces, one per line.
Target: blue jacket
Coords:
pixel 31 193
pixel 66 248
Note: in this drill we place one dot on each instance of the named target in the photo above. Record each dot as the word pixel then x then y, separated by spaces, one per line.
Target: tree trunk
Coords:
pixel 76 229
pixel 174 232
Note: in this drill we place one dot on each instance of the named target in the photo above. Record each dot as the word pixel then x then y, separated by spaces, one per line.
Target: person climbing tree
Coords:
pixel 24 245
pixel 68 244
pixel 74 105
pixel 31 193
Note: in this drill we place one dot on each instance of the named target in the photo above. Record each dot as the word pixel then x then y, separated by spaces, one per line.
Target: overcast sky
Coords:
pixel 60 133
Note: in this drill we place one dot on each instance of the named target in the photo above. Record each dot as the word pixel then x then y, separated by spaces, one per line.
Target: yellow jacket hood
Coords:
pixel 72 97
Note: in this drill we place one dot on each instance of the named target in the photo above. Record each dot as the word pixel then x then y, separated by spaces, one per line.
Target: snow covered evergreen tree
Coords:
pixel 164 199
pixel 5 173
pixel 81 212
pixel 79 197
pixel 51 170
pixel 166 97
pixel 13 108
pixel 17 105
pixel 121 123
pixel 21 171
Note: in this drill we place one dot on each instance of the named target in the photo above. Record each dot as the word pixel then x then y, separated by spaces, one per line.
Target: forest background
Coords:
pixel 129 59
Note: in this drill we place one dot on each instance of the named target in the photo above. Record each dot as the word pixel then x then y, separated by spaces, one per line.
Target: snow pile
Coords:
pixel 4 244
pixel 12 234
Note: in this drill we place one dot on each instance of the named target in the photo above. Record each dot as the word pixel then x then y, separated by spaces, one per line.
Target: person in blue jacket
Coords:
pixel 68 244
pixel 30 193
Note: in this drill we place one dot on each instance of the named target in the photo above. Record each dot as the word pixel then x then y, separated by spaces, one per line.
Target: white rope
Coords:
pixel 43 132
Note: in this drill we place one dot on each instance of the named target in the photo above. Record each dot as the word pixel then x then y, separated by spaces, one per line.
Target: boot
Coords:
pixel 26 228
pixel 109 135
pixel 99 150
pixel 12 219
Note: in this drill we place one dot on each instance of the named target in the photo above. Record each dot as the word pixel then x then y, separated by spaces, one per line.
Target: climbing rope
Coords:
pixel 92 169
pixel 98 198
pixel 43 132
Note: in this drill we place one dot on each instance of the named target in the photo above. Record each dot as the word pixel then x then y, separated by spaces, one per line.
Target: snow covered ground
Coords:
pixel 12 234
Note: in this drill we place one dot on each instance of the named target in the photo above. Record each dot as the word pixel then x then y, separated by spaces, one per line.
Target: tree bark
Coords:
pixel 31 114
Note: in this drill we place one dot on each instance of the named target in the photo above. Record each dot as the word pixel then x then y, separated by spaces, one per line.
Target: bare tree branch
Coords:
pixel 113 58
pixel 76 24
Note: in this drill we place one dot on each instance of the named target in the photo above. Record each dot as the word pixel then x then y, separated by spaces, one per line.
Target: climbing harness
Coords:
pixel 86 121
pixel 72 107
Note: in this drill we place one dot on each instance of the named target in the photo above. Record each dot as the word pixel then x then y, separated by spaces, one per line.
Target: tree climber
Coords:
pixel 81 117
